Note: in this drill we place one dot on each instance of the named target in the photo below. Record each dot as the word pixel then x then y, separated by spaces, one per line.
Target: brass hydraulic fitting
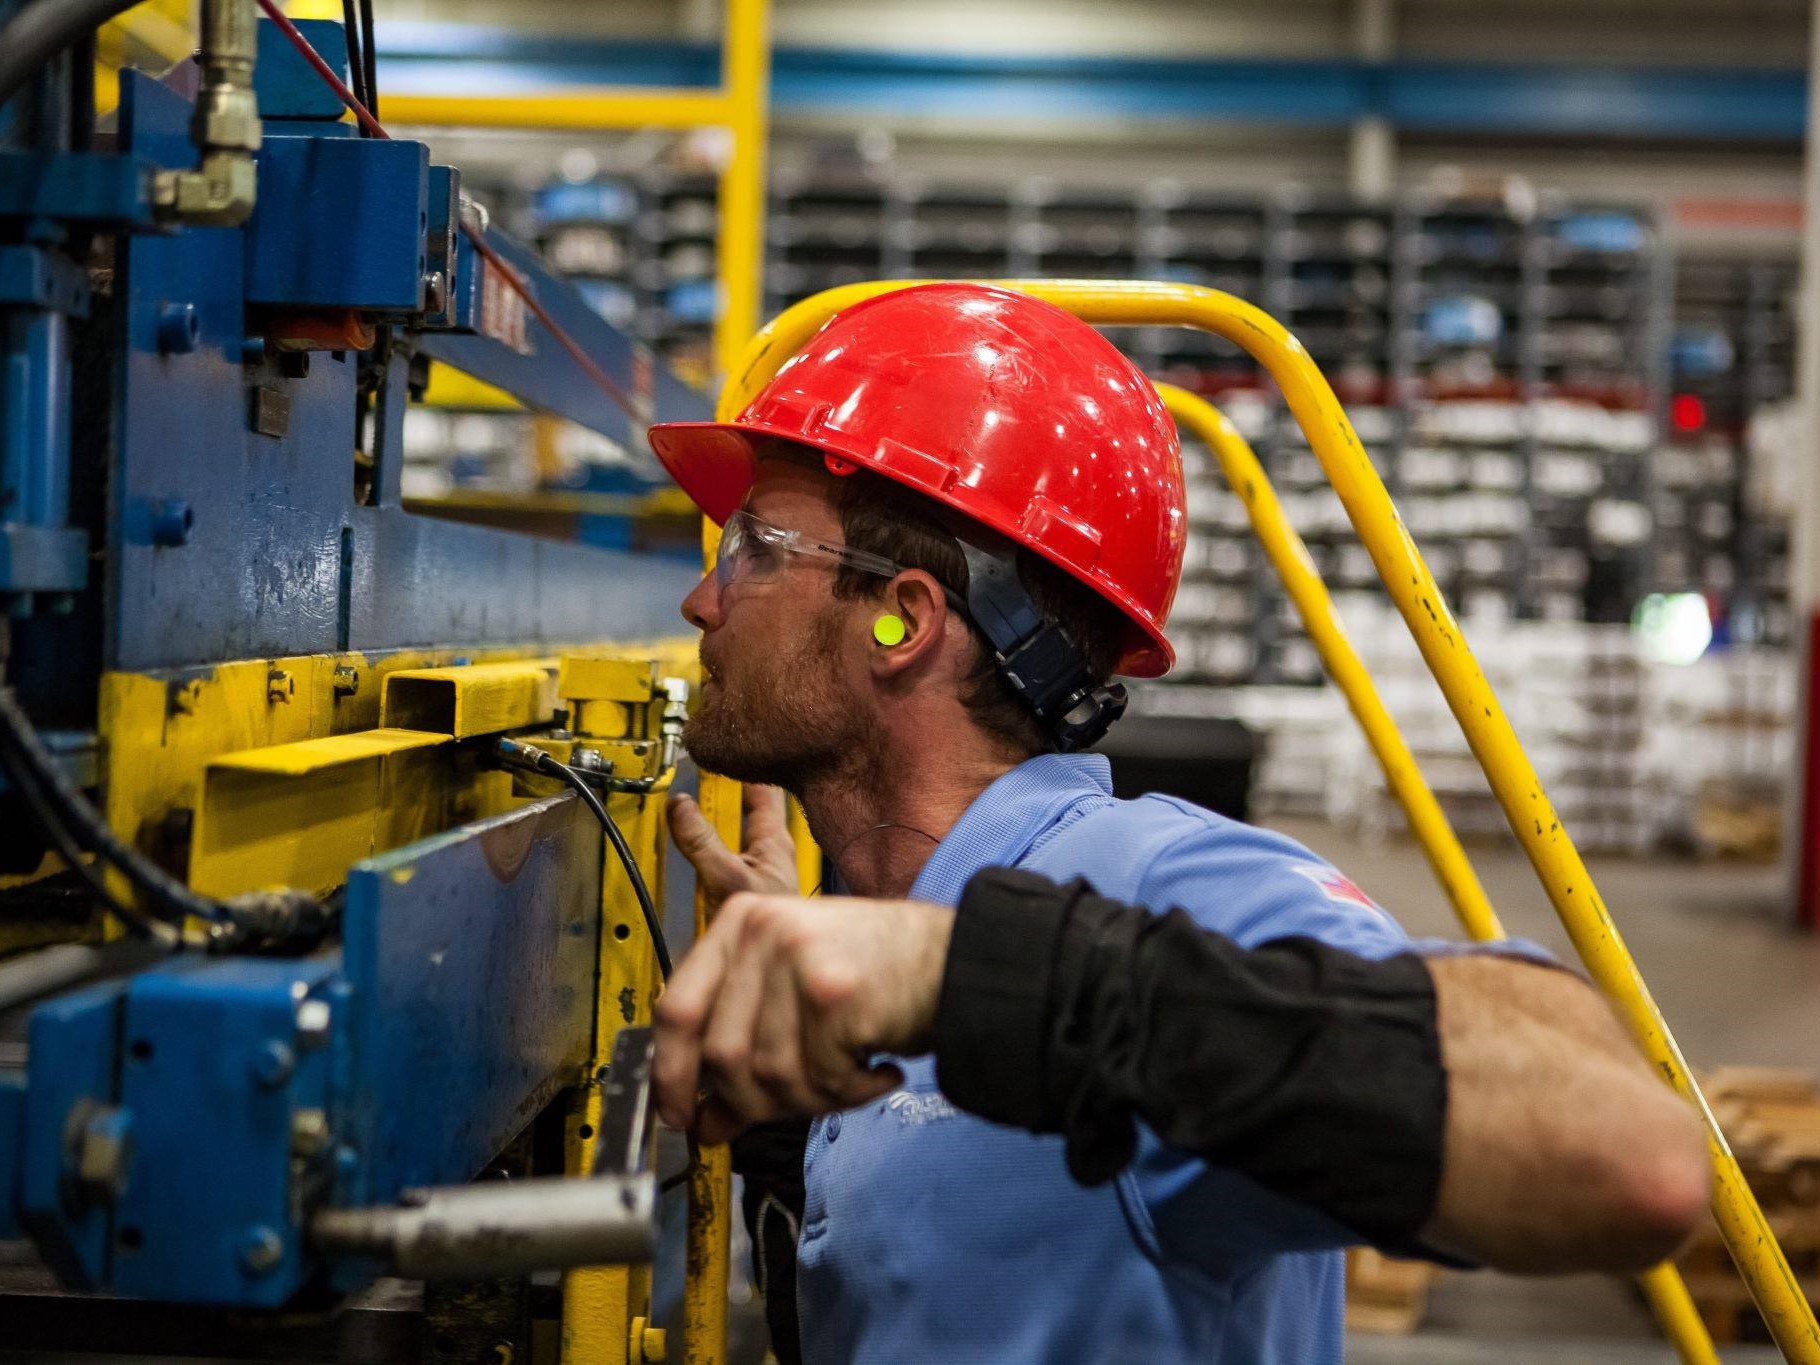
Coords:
pixel 225 128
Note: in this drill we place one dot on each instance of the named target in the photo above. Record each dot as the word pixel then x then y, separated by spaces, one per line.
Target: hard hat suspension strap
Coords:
pixel 1040 663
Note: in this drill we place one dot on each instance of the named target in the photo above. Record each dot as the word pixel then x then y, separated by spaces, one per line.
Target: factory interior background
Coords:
pixel 1549 255
pixel 1558 259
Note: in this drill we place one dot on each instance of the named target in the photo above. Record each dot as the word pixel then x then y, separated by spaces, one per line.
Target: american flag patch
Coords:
pixel 1337 887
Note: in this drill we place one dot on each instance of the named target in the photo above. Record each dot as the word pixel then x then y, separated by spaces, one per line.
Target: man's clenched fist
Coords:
pixel 778 1007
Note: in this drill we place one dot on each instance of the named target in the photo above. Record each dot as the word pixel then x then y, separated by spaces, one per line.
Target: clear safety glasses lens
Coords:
pixel 754 550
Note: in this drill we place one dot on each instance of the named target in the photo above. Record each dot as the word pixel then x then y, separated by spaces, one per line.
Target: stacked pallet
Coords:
pixel 1772 1120
pixel 1385 1295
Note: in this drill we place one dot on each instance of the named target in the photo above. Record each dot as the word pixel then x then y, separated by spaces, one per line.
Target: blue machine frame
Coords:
pixel 170 1130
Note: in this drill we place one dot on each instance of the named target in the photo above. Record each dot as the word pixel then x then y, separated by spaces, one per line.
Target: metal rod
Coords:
pixel 36 975
pixel 507 1227
pixel 1662 1284
pixel 1412 587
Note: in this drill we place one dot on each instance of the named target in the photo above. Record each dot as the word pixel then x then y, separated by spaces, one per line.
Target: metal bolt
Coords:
pixel 649 1344
pixel 309 1132
pixel 179 328
pixel 313 1023
pixel 347 680
pixel 273 1064
pixel 172 519
pixel 589 760
pixel 104 1151
pixel 261 1249
pixel 280 685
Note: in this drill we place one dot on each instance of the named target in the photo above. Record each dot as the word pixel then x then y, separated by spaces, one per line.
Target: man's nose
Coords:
pixel 701 608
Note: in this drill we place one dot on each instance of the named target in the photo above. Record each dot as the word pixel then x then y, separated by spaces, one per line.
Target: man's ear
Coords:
pixel 921 613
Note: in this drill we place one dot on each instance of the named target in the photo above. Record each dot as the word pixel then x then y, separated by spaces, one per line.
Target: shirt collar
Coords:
pixel 1003 821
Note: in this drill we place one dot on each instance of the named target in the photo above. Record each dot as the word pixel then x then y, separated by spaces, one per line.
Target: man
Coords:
pixel 949 521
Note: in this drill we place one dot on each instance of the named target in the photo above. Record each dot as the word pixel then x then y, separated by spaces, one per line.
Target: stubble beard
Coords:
pixel 780 721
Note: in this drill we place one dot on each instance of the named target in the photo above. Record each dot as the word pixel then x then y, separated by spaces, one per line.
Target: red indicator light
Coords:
pixel 1686 412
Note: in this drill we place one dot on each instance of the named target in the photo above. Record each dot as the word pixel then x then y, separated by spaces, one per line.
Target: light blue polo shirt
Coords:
pixel 929 1234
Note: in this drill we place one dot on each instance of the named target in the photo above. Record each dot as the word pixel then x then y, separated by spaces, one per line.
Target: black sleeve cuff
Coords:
pixel 1316 1072
pixel 996 1008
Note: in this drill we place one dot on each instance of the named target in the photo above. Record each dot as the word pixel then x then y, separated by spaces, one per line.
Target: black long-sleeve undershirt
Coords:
pixel 1315 1072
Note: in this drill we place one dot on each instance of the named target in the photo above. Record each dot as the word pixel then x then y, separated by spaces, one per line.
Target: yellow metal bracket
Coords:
pixel 470 699
pixel 301 814
pixel 1418 598
pixel 606 1309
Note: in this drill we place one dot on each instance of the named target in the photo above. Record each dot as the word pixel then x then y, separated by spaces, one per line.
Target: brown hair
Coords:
pixel 884 518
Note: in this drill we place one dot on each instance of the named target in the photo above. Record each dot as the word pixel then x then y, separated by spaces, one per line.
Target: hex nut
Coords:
pixel 273 1065
pixel 313 1020
pixel 104 1152
pixel 310 1134
pixel 261 1249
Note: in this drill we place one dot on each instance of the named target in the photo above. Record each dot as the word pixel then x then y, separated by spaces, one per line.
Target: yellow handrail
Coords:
pixel 1662 1284
pixel 1418 598
pixel 1302 581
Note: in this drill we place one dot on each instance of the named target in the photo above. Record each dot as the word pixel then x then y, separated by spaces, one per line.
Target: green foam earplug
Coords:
pixel 888 629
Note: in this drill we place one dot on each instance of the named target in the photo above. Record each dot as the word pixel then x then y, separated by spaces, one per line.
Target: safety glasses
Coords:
pixel 755 551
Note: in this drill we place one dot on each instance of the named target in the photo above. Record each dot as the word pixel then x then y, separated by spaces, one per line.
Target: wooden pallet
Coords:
pixel 1771 1118
pixel 1384 1295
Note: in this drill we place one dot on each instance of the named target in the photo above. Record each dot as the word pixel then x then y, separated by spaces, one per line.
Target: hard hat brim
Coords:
pixel 715 463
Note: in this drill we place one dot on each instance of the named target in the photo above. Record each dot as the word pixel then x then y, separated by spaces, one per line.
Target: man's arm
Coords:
pixel 1481 1106
pixel 1563 1148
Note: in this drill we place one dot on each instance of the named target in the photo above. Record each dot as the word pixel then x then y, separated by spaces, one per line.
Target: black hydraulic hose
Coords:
pixel 82 94
pixel 370 55
pixel 350 32
pixel 44 28
pixel 165 896
pixel 24 781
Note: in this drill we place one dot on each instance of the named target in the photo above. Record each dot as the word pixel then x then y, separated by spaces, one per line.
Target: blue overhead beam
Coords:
pixel 1464 97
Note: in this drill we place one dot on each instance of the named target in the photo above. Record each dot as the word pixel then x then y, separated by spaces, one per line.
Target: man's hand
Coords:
pixel 777 1008
pixel 767 862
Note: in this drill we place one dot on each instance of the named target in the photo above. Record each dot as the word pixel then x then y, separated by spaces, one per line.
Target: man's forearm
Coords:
pixel 1475 1105
pixel 1314 1071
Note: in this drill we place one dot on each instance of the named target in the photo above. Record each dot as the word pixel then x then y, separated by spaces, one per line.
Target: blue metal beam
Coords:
pixel 1549 99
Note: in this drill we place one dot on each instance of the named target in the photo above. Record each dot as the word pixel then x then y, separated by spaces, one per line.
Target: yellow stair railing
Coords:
pixel 1662 1285
pixel 1418 599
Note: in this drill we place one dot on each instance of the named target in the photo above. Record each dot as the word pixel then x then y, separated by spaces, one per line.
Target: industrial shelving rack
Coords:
pixel 1506 363
pixel 1732 356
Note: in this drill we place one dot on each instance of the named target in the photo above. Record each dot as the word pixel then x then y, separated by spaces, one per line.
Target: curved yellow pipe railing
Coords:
pixel 1302 581
pixel 1418 598
pixel 1662 1285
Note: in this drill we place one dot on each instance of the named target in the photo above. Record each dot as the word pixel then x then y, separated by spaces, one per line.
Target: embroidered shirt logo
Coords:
pixel 913 1110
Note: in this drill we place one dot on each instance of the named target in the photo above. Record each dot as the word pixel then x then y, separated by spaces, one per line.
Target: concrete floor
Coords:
pixel 1737 985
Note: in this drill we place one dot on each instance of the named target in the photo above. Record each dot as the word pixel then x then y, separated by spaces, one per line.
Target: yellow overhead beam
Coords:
pixel 582 109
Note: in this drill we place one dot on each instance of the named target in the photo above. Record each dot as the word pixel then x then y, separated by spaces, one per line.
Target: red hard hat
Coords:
pixel 998 405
